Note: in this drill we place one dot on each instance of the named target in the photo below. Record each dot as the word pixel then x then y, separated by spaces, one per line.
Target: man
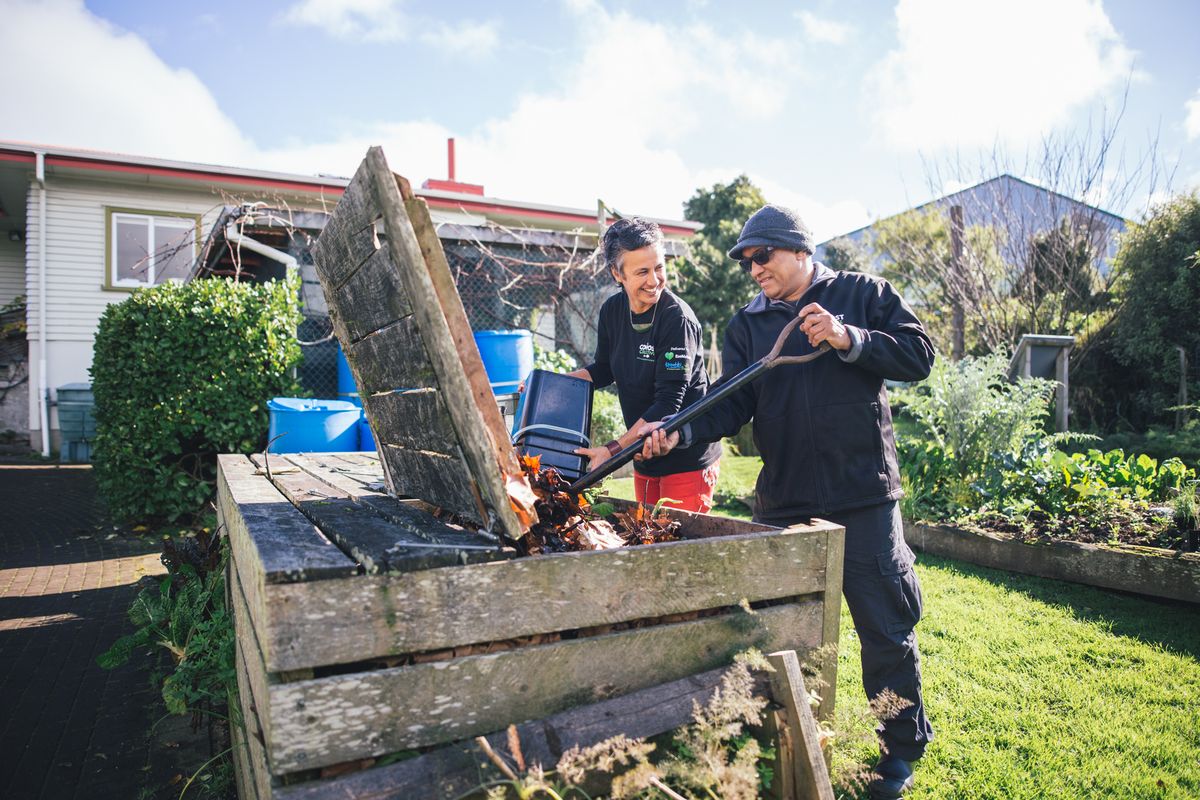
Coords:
pixel 824 430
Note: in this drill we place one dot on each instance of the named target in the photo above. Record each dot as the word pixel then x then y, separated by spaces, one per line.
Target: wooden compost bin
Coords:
pixel 367 627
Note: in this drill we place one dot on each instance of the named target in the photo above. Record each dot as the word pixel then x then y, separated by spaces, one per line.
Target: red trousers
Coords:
pixel 691 491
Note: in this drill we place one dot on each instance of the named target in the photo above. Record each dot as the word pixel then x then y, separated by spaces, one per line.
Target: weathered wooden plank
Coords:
pixel 240 751
pixel 463 337
pixel 253 678
pixel 416 420
pixel 345 717
pixel 389 359
pixel 449 772
pixel 800 748
pixel 372 298
pixel 416 541
pixel 267 532
pixel 348 238
pixel 352 478
pixel 252 728
pixel 435 309
pixel 440 479
pixel 835 552
pixel 441 608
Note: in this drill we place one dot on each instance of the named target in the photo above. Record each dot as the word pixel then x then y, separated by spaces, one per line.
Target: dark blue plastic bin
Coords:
pixel 555 417
pixel 313 426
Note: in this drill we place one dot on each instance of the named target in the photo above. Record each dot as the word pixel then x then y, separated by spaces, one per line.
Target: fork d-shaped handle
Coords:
pixel 704 405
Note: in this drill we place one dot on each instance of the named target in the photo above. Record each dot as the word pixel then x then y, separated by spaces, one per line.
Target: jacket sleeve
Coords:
pixel 727 417
pixel 676 352
pixel 600 368
pixel 894 346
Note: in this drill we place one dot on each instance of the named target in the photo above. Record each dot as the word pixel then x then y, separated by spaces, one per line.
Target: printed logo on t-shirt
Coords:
pixel 675 358
pixel 645 352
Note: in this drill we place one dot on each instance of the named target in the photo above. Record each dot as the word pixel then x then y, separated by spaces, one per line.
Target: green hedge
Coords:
pixel 182 372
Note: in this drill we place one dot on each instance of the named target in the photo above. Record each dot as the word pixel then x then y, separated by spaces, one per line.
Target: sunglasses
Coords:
pixel 761 258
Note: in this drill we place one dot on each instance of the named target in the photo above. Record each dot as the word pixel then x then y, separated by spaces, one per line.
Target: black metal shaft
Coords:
pixel 697 409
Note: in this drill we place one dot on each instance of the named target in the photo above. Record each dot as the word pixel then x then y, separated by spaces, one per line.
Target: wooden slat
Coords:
pixel 353 716
pixel 347 476
pixel 416 420
pixel 393 358
pixel 348 238
pixel 440 608
pixel 252 703
pixel 453 770
pixel 268 533
pixel 800 748
pixel 372 298
pixel 440 479
pixel 835 552
pixel 462 335
pixel 254 673
pixel 240 751
pixel 436 310
pixel 697 526
pixel 419 541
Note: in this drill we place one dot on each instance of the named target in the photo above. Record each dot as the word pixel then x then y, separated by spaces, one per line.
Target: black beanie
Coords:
pixel 774 226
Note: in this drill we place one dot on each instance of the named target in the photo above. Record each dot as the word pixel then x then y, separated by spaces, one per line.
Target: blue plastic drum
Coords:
pixel 304 425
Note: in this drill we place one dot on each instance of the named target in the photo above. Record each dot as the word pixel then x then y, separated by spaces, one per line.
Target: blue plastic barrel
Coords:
pixel 313 426
pixel 507 358
pixel 366 441
pixel 347 389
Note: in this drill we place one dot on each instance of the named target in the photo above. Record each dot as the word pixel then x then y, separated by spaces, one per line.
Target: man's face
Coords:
pixel 782 276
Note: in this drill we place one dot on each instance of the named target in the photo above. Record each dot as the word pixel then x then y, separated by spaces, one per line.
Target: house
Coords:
pixel 81 229
pixel 1018 208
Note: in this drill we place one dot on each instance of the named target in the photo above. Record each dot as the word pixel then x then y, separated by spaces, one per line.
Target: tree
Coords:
pixel 915 254
pixel 714 286
pixel 1158 269
pixel 843 254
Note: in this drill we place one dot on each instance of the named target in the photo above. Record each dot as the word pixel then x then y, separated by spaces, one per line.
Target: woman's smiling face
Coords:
pixel 643 275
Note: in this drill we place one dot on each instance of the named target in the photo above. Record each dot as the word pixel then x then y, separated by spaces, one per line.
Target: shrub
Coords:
pixel 182 372
pixel 969 418
pixel 607 421
pixel 553 360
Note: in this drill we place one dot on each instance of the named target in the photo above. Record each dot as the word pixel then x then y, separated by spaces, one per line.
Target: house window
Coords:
pixel 148 247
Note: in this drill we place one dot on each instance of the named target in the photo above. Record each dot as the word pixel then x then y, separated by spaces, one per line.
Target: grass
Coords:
pixel 1035 688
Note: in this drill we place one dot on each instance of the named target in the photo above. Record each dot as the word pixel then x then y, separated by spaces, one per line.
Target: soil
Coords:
pixel 1139 525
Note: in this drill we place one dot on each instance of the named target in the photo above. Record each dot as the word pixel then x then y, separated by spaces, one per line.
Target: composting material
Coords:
pixel 569 522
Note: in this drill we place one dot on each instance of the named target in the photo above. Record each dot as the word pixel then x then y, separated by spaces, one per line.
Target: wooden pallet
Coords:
pixel 367 627
pixel 397 314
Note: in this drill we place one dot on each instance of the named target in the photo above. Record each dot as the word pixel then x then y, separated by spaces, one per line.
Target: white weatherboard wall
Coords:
pixel 75 264
pixel 12 269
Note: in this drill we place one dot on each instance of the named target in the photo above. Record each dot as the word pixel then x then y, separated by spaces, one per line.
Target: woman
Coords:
pixel 649 344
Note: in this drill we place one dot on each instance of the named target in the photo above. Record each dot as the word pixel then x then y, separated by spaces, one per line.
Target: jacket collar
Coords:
pixel 761 303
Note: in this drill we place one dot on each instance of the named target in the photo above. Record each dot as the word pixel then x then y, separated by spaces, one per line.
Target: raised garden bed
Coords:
pixel 1152 571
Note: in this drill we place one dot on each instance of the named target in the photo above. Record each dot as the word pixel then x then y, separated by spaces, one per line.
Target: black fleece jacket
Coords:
pixel 824 428
pixel 657 372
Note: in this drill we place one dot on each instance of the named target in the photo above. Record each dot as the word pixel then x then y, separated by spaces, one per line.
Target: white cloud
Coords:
pixel 971 74
pixel 471 39
pixel 824 30
pixel 1192 122
pixel 112 92
pixel 369 20
pixel 611 124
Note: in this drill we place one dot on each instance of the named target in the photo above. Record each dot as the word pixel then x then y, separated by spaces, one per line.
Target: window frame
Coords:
pixel 111 215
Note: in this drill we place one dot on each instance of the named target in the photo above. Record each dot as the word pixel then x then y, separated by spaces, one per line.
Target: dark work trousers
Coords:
pixel 884 598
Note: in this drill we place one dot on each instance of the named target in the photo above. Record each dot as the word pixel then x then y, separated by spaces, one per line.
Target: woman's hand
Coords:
pixel 596 455
pixel 657 443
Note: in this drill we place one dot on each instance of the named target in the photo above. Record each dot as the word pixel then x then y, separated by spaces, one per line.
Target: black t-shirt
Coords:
pixel 657 371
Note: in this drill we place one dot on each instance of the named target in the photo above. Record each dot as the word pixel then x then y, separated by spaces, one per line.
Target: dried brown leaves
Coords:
pixel 567 522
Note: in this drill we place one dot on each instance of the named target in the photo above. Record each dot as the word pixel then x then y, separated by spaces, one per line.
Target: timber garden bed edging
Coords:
pixel 1151 571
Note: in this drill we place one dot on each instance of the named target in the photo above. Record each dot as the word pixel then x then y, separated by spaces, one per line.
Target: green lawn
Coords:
pixel 1036 688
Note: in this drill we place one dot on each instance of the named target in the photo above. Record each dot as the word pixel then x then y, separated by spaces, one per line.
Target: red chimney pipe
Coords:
pixel 450 153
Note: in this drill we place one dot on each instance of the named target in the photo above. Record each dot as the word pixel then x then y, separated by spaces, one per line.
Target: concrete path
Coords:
pixel 69 729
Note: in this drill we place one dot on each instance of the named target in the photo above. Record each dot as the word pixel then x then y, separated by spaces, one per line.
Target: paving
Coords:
pixel 68 728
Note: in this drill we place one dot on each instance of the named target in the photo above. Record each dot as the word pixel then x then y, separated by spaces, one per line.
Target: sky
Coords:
pixel 847 111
